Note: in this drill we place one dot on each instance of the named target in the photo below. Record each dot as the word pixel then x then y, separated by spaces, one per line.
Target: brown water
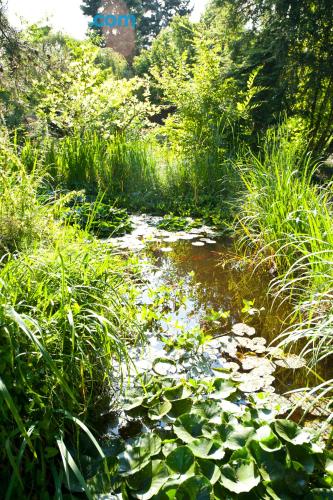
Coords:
pixel 215 279
pixel 211 277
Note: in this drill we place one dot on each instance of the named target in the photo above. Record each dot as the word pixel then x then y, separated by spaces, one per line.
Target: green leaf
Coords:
pixel 206 448
pixel 148 482
pixel 267 439
pixel 195 488
pixel 303 457
pixel 188 427
pixel 240 476
pixel 158 411
pixel 209 409
pixel 180 459
pixel 272 466
pixel 131 402
pixel 180 407
pixel 291 432
pixel 164 366
pixel 177 393
pixel 223 389
pixel 209 470
pixel 235 437
pixel 138 452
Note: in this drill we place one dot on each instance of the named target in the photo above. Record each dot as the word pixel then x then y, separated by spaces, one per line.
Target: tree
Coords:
pixel 152 15
pixel 293 42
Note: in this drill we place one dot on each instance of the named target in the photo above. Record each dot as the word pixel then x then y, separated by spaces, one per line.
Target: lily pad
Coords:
pixel 241 476
pixel 180 459
pixel 138 453
pixel 242 329
pixel 159 410
pixel 207 449
pixel 166 249
pixel 198 244
pixel 188 427
pixel 195 488
pixel 291 432
pixel 253 362
pixel 164 366
pixel 292 361
pixel 256 344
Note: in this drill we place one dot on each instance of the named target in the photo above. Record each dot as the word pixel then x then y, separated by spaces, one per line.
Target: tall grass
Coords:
pixel 287 221
pixel 139 174
pixel 66 316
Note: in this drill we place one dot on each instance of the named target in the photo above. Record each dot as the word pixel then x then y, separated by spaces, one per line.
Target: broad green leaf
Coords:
pixel 267 439
pixel 138 452
pixel 180 459
pixel 164 366
pixel 209 470
pixel 180 407
pixel 158 411
pixel 234 437
pixel 209 409
pixel 272 466
pixel 177 393
pixel 131 402
pixel 223 389
pixel 195 488
pixel 152 479
pixel 206 448
pixel 240 476
pixel 291 432
pixel 297 481
pixel 188 427
pixel 303 456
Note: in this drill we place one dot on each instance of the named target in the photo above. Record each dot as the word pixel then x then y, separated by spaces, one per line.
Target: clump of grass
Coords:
pixel 287 221
pixel 23 219
pixel 66 324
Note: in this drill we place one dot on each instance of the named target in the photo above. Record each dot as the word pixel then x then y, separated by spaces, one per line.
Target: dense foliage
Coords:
pixel 227 121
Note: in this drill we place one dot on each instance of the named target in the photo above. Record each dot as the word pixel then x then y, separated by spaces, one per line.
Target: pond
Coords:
pixel 207 288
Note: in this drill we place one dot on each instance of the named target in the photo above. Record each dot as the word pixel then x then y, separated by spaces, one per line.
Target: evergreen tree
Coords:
pixel 152 15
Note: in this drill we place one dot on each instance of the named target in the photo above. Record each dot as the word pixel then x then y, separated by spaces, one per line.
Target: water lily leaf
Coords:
pixel 164 366
pixel 180 407
pixel 207 449
pixel 291 361
pixel 195 488
pixel 138 452
pixel 158 411
pixel 268 441
pixel 188 427
pixel 158 477
pixel 255 344
pixel 241 476
pixel 303 456
pixel 291 432
pixel 235 437
pixel 180 460
pixel 177 393
pixel 224 388
pixel 169 447
pixel 272 466
pixel 131 402
pixel 209 470
pixel 262 365
pixel 297 481
pixel 242 329
pixel 209 409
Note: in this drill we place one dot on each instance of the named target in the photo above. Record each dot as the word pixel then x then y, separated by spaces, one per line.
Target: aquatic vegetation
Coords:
pixel 202 441
pixel 98 218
